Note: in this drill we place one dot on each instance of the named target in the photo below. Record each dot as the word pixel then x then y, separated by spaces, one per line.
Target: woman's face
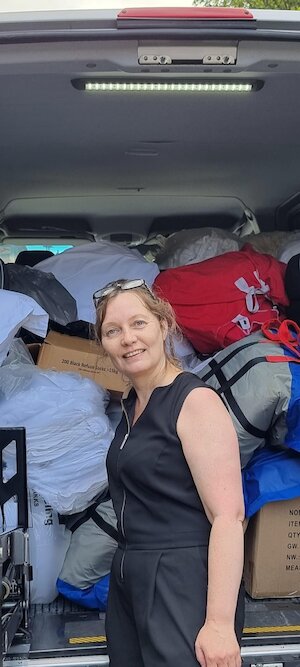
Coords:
pixel 132 336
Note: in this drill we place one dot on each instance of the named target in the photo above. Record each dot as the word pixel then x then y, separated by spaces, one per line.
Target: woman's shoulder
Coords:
pixel 181 387
pixel 189 379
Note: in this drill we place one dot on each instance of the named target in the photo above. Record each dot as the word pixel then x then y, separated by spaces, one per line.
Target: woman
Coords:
pixel 175 482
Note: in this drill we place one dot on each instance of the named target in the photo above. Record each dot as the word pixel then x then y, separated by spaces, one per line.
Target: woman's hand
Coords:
pixel 216 646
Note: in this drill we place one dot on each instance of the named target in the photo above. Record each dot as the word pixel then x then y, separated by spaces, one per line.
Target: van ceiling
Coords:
pixel 118 152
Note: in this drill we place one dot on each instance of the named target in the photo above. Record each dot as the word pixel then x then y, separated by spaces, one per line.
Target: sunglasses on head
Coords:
pixel 116 285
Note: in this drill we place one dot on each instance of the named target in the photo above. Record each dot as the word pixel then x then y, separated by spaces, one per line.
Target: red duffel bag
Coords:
pixel 222 299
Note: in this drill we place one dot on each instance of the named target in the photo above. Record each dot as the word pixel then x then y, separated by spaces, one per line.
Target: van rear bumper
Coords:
pixel 285 655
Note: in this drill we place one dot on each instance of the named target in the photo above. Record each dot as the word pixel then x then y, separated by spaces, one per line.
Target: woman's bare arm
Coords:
pixel 210 446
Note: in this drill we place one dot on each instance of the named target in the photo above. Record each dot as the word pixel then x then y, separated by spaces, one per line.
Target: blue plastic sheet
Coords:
pixel 270 475
pixel 93 597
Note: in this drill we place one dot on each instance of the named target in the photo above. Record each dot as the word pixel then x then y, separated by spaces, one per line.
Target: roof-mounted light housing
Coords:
pixel 185 13
pixel 220 85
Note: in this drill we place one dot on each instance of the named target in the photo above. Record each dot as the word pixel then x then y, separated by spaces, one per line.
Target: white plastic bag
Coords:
pixel 48 545
pixel 9 519
pixel 248 225
pixel 195 245
pixel 67 432
pixel 18 310
pixel 290 248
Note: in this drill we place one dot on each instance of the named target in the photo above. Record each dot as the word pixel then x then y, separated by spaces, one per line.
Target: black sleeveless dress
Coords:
pixel 157 598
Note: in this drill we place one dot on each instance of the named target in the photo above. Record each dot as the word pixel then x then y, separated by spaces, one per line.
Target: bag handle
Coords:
pixel 286 333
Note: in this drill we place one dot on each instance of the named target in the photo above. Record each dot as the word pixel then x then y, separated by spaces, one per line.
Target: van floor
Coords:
pixel 65 629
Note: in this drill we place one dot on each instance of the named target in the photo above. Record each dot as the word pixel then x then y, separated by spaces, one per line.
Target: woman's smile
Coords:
pixel 133 353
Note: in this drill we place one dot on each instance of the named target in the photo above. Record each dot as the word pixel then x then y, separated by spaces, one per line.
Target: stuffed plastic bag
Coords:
pixel 84 577
pixel 48 545
pixel 86 268
pixel 43 287
pixel 67 432
pixel 20 311
pixel 194 245
pixel 270 476
pixel 269 242
pixel 290 248
pixel 224 299
pixel 267 369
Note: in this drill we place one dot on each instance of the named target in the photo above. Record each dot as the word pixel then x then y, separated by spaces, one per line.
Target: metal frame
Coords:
pixel 13 543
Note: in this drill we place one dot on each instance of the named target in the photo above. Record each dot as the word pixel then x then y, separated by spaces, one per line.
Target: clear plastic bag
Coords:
pixel 18 354
pixel 18 310
pixel 67 432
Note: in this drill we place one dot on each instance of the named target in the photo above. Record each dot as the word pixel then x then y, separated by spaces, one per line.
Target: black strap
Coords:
pixel 225 389
pixel 84 516
pixel 220 364
pixel 104 525
pixel 242 371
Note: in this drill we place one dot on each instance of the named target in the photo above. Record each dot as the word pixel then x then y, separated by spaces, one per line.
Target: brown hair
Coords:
pixel 157 306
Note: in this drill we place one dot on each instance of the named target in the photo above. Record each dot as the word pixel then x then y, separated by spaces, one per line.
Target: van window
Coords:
pixel 9 252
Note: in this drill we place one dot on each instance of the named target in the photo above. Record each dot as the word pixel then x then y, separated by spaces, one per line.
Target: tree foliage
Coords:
pixel 254 4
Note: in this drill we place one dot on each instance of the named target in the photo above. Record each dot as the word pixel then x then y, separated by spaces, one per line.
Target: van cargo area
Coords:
pixel 142 131
pixel 62 633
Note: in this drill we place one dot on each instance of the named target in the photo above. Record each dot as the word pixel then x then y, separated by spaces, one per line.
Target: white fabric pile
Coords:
pixel 86 268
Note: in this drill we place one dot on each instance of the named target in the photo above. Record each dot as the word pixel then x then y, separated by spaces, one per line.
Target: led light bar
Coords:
pixel 165 86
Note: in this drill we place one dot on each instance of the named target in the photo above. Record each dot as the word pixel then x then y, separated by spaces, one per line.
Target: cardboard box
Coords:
pixel 272 551
pixel 69 353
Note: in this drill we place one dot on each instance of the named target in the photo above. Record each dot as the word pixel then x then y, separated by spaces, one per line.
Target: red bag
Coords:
pixel 220 300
